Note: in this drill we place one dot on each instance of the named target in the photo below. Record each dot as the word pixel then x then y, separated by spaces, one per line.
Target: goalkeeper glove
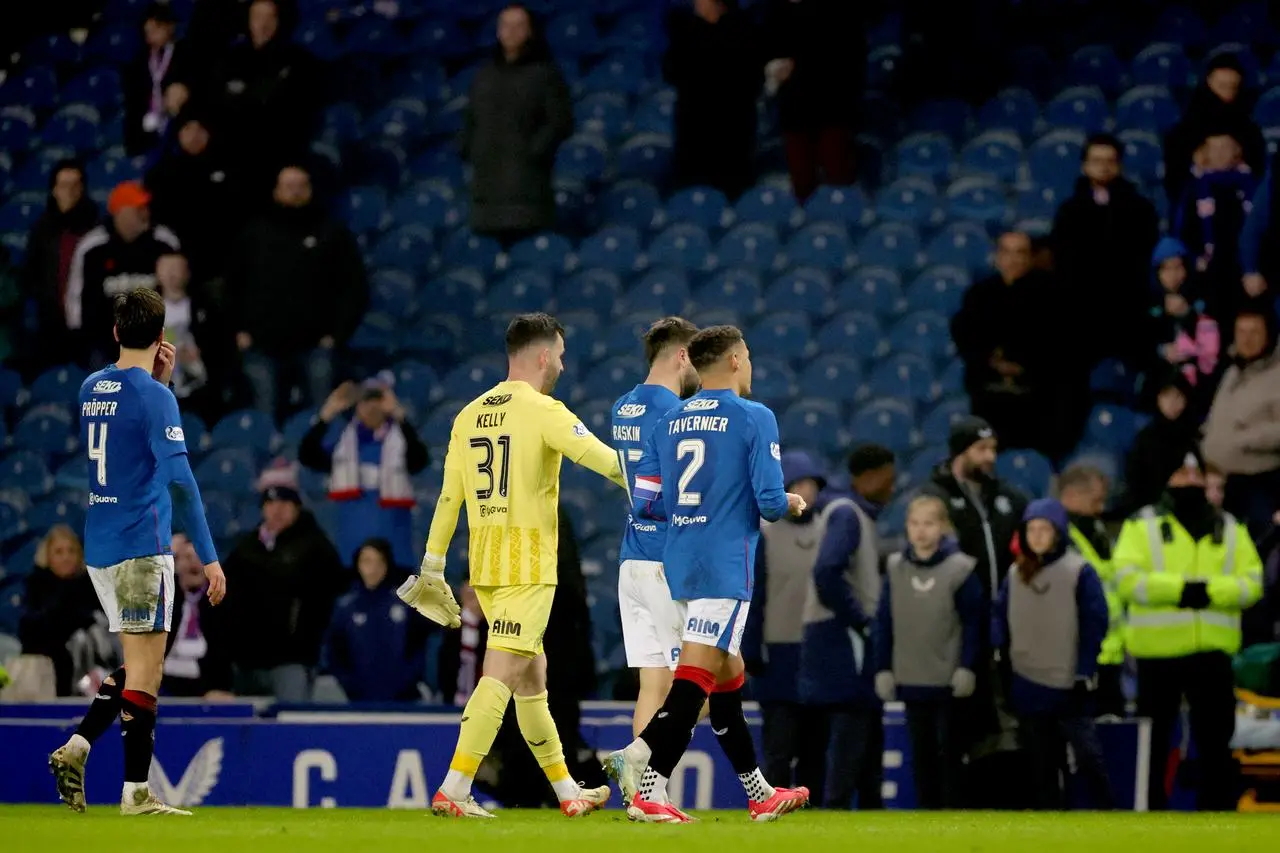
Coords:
pixel 429 594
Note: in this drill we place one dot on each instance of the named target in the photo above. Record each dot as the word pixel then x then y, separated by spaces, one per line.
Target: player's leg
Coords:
pixel 68 760
pixel 651 628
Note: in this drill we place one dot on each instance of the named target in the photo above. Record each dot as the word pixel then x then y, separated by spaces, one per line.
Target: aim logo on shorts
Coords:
pixel 505 628
pixel 704 627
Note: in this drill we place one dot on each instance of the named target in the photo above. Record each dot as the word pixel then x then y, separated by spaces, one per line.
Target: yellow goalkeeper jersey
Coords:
pixel 504 462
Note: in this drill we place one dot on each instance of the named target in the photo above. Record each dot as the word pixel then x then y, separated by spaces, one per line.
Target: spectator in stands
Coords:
pixel 60 602
pixel 267 93
pixel 1260 239
pixel 69 215
pixel 1103 236
pixel 296 290
pixel 197 662
pixel 113 258
pixel 716 63
pixel 837 677
pixel 369 463
pixel 196 192
pixel 1186 338
pixel 163 61
pixel 1161 445
pixel 520 111
pixel 287 575
pixel 819 50
pixel 462 651
pixel 775 627
pixel 200 374
pixel 375 651
pixel 1015 382
pixel 1242 434
pixel 1219 106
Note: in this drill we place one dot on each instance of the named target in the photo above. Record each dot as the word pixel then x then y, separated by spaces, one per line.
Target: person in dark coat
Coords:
pixel 716 63
pixel 1102 241
pixel 163 61
pixel 51 245
pixel 1220 104
pixel 1160 446
pixel 1260 240
pixel 296 289
pixel 60 600
pixel 819 57
pixel 287 576
pixel 519 113
pixel 196 663
pixel 1023 388
pixel 373 648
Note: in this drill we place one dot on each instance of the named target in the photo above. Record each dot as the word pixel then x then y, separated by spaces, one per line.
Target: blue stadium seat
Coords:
pixel 363 208
pixel 1267 111
pixel 465 249
pixel 773 382
pixel 908 200
pixel 951 116
pixel 595 290
pixel 1143 156
pixel 853 333
pixel 53 49
pixel 581 333
pixel 936 426
pixel 10 386
pixel 997 153
pixel 622 72
pixel 814 425
pixel 429 205
pixel 74 126
pixel 890 244
pixel 438 425
pixel 824 245
pixel 924 155
pixel 682 246
pixel 573 34
pixel 472 377
pixel 939 288
pixel 904 374
pixel 924 331
pixel 614 247
pixel 25 470
pixel 768 205
pixel 439 36
pixel 1028 470
pixel 1110 427
pixel 1162 64
pixel 847 205
pixel 1011 109
pixel 547 252
pixel 1081 108
pixel 785 335
pixel 1055 158
pixel 1246 23
pixel 18 215
pixel 520 291
pixel 297 425
pixel 17 134
pixel 58 385
pixel 409 247
pixel 1037 202
pixel 376 336
pixel 644 157
pixel 751 245
pixel 403 120
pixel 608 380
pixel 35 88
pixel 658 293
pixel 978 199
pixel 1097 66
pixel 703 316
pixel 48 512
pixel 655 114
pixel 581 159
pixel 1114 381
pixel 835 375
pixel 231 470
pixel 804 289
pixel 874 289
pixel 962 244
pixel 882 65
pixel 73 474
pixel 248 429
pixel 925 461
pixel 602 115
pixel 48 429
pixel 702 206
pixel 632 203
pixel 737 289
pixel 888 421
pixel 1147 108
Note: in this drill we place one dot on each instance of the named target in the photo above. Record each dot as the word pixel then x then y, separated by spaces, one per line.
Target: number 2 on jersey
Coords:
pixel 696 448
pixel 98 450
pixel 485 466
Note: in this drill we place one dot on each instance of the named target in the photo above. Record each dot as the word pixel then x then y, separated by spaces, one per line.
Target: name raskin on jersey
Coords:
pixel 682 520
pixel 486 511
pixel 626 433
pixel 98 409
pixel 489 420
pixel 698 423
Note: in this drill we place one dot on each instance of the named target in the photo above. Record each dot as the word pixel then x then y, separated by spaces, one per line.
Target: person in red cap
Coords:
pixel 113 258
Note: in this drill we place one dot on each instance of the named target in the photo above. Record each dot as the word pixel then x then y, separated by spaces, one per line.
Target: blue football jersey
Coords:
pixel 712 469
pixel 129 423
pixel 634 416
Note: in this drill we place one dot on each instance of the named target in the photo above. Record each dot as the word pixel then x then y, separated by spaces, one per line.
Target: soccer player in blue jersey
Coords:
pixel 650 622
pixel 711 470
pixel 132 432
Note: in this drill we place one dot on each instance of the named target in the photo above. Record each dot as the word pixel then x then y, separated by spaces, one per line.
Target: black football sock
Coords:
pixel 669 732
pixel 138 722
pixel 731 729
pixel 105 708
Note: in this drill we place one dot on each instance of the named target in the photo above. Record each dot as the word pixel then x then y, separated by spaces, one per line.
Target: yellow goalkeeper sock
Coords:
pixel 481 720
pixel 539 731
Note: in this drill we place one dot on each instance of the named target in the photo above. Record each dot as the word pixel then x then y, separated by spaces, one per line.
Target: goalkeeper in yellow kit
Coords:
pixel 504 461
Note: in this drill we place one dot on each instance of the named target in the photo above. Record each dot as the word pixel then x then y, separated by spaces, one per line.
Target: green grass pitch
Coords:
pixel 229 830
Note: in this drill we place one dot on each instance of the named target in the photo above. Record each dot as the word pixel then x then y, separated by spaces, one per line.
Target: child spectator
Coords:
pixel 927 632
pixel 1161 445
pixel 1185 336
pixel 1050 618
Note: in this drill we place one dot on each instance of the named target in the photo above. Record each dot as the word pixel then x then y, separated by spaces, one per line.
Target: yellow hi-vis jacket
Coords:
pixel 1155 556
pixel 1112 652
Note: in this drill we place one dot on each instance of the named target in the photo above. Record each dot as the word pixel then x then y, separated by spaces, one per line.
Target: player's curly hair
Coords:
pixel 139 316
pixel 711 344
pixel 528 329
pixel 667 332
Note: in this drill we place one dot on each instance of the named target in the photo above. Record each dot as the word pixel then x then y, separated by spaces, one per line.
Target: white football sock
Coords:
pixel 456 786
pixel 566 789
pixel 758 790
pixel 653 786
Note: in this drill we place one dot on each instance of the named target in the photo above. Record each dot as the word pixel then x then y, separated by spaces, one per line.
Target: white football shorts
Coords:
pixel 651 622
pixel 715 622
pixel 136 595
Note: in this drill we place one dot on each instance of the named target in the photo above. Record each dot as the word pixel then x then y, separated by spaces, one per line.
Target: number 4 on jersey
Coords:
pixel 98 450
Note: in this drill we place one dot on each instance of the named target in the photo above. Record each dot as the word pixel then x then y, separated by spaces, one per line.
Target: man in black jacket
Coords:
pixel 116 257
pixel 297 290
pixel 162 61
pixel 519 113
pixel 287 577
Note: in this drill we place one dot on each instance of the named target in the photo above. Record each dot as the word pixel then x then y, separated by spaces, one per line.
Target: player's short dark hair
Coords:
pixel 139 316
pixel 869 457
pixel 667 332
pixel 1078 475
pixel 1104 139
pixel 710 345
pixel 528 329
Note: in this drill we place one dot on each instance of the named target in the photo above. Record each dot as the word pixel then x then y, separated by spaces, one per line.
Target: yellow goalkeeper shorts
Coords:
pixel 517 616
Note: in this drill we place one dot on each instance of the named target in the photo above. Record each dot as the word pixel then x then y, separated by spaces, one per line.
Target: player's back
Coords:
pixel 635 415
pixel 123 414
pixel 718 455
